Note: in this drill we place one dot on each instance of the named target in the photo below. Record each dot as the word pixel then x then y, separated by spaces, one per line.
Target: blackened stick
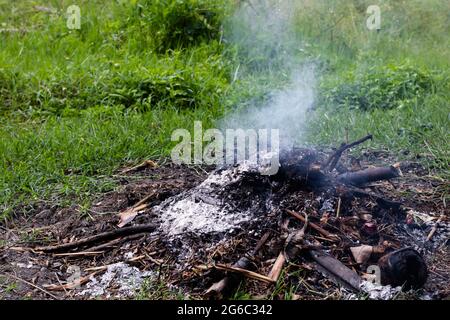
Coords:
pixel 334 158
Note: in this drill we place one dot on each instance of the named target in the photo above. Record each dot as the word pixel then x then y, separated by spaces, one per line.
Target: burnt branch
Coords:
pixel 334 158
pixel 109 235
pixel 361 177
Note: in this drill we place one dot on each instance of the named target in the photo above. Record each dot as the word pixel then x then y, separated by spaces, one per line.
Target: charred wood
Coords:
pixel 381 201
pixel 336 269
pixel 362 177
pixel 105 236
pixel 334 158
pixel 225 285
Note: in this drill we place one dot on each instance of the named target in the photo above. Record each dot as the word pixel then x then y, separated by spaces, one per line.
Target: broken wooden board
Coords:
pixel 336 270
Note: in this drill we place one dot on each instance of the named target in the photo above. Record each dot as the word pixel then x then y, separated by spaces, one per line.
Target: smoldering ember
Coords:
pixel 327 225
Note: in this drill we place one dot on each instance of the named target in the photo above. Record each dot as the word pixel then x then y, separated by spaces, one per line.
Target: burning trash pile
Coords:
pixel 313 211
pixel 325 225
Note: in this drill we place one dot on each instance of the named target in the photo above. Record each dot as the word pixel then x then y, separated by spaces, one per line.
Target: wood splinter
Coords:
pixel 433 230
pixel 319 229
pixel 292 241
pixel 227 283
pixel 277 267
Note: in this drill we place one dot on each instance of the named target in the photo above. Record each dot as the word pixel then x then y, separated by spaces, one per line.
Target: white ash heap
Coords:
pixel 119 281
pixel 206 208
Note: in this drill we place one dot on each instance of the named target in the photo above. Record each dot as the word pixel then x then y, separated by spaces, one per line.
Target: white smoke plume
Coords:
pixel 263 30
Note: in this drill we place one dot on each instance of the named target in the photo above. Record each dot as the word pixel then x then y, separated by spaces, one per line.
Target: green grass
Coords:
pixel 158 289
pixel 393 83
pixel 67 156
pixel 77 104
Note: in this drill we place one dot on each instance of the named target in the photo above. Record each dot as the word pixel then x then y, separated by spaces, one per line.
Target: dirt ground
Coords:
pixel 163 268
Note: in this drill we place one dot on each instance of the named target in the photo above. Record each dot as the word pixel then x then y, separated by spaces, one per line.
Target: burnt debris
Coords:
pixel 319 223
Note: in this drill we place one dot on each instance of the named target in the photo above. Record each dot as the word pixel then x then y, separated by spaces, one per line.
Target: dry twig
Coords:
pixel 334 158
pixel 314 226
pixel 31 284
pixel 99 238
